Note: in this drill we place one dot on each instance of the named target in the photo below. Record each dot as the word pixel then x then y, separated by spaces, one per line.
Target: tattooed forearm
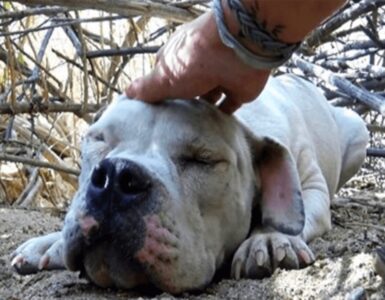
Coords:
pixel 290 20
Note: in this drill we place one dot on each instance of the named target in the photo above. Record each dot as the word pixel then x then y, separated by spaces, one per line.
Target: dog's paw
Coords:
pixel 37 254
pixel 262 253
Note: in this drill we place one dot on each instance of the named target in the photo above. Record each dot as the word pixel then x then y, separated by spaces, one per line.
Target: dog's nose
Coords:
pixel 118 179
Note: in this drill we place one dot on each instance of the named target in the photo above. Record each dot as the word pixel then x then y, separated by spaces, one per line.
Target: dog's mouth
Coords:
pixel 124 257
pixel 102 266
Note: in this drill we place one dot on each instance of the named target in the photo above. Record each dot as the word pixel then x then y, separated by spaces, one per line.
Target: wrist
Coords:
pixel 253 44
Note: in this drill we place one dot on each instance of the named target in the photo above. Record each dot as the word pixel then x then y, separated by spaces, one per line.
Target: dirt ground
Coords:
pixel 343 269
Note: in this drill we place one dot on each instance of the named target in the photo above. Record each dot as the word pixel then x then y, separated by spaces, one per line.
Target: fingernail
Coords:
pixel 43 263
pixel 260 257
pixel 18 260
pixel 237 270
pixel 280 254
pixel 305 256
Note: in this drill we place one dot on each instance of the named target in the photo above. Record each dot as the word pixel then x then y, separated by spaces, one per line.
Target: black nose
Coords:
pixel 118 179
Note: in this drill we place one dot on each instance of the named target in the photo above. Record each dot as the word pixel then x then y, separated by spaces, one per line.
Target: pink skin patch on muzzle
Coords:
pixel 160 252
pixel 87 224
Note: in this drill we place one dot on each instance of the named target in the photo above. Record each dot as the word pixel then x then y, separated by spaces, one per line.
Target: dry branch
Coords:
pixel 30 191
pixel 32 12
pixel 376 128
pixel 74 63
pixel 118 63
pixel 25 71
pixel 322 34
pixel 38 163
pixel 57 144
pixel 375 152
pixel 59 23
pixel 46 107
pixel 122 51
pixel 375 102
pixel 127 8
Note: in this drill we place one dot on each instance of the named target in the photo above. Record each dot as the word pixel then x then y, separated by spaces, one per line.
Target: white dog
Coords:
pixel 170 192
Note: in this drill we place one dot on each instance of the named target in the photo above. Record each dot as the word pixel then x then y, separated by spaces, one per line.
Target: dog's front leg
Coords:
pixel 317 212
pixel 268 249
pixel 39 253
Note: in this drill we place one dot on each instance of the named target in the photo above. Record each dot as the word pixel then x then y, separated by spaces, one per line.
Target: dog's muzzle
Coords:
pixel 119 195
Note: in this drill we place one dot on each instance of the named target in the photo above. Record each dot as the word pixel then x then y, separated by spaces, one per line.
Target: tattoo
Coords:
pixel 254 9
pixel 278 29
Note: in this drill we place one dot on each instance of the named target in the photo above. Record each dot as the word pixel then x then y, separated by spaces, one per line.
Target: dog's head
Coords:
pixel 167 193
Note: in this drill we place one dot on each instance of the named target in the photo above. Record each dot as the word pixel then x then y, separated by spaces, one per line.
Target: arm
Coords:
pixel 195 62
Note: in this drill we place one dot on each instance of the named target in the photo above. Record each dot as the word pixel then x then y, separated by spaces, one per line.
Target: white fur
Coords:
pixel 211 208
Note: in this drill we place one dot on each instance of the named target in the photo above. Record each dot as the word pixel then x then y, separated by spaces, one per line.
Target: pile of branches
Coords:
pixel 62 60
pixel 346 58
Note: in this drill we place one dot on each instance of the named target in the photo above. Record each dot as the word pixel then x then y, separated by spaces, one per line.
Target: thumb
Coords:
pixel 150 88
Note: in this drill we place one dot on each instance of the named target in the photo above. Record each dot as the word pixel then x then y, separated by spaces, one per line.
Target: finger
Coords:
pixel 229 105
pixel 150 88
pixel 212 96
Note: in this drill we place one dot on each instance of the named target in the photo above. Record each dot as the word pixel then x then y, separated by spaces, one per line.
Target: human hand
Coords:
pixel 195 63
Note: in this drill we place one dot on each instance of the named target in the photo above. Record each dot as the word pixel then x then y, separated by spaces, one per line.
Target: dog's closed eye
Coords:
pixel 196 160
pixel 99 137
pixel 200 158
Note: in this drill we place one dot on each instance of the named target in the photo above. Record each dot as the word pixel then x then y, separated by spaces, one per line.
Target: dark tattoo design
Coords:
pixel 255 11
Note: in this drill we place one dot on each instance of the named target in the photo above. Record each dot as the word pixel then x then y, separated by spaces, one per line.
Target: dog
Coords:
pixel 169 193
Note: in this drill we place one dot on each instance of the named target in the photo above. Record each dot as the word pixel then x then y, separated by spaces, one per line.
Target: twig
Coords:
pixel 375 128
pixel 122 51
pixel 137 27
pixel 373 84
pixel 24 70
pixel 37 64
pixel 30 191
pixel 368 202
pixel 84 60
pixel 374 101
pixel 99 38
pixel 127 8
pixel 68 30
pixel 348 55
pixel 36 163
pixel 25 107
pixel 31 12
pixel 319 35
pixel 189 3
pixel 360 224
pixel 35 72
pixel 43 134
pixel 375 152
pixel 59 23
pixel 72 62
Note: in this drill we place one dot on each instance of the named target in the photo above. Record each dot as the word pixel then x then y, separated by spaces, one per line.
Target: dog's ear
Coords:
pixel 281 203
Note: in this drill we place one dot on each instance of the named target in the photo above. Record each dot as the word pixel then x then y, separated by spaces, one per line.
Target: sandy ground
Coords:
pixel 343 269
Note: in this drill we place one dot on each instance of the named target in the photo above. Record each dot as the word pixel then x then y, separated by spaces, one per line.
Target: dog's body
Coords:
pixel 169 192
